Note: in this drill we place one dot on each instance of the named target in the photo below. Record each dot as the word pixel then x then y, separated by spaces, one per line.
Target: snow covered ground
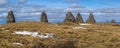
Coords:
pixel 84 24
pixel 47 35
pixel 35 34
pixel 79 27
pixel 20 44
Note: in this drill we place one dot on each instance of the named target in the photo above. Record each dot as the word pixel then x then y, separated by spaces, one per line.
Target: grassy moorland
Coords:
pixel 66 35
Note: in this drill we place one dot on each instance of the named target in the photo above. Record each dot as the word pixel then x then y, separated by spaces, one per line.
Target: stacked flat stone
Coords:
pixel 44 17
pixel 69 17
pixel 79 18
pixel 10 17
pixel 113 21
pixel 91 19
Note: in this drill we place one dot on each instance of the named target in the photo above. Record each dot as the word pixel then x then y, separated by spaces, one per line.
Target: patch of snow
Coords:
pixel 79 28
pixel 83 24
pixel 34 34
pixel 25 33
pixel 46 35
pixel 20 44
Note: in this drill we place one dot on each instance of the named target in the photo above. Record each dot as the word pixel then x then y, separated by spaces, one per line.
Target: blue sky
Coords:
pixel 30 10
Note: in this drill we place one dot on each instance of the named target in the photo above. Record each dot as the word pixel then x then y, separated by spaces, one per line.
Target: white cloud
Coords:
pixel 109 10
pixel 76 6
pixel 27 14
pixel 22 1
pixel 3 9
pixel 3 2
pixel 3 14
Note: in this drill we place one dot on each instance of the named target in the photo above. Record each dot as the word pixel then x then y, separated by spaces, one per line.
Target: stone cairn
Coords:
pixel 113 21
pixel 69 17
pixel 44 17
pixel 91 19
pixel 10 17
pixel 79 18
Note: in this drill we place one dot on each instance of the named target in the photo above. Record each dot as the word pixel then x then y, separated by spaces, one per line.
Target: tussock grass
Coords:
pixel 95 36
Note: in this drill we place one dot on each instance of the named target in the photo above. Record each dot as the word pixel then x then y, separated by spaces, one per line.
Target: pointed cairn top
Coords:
pixel 113 21
pixel 91 19
pixel 79 18
pixel 69 17
pixel 10 17
pixel 44 17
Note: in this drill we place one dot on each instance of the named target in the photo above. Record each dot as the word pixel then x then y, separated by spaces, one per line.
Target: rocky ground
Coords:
pixel 60 35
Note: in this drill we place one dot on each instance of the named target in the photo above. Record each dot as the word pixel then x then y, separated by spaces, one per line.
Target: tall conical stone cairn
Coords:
pixel 69 17
pixel 113 21
pixel 10 17
pixel 91 19
pixel 44 17
pixel 79 18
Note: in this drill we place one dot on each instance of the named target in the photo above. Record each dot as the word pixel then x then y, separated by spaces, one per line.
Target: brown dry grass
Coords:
pixel 95 36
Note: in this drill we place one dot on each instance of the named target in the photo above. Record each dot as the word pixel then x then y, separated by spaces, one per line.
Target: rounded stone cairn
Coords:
pixel 10 17
pixel 69 17
pixel 113 21
pixel 91 19
pixel 79 18
pixel 44 17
